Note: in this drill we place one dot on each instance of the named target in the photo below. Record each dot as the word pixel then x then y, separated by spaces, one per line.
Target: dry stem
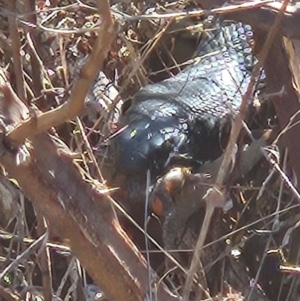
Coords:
pixel 212 200
pixel 75 105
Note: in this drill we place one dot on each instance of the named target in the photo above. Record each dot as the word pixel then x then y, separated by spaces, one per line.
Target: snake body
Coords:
pixel 181 119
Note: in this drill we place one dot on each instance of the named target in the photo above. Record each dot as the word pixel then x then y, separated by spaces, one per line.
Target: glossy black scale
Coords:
pixel 180 120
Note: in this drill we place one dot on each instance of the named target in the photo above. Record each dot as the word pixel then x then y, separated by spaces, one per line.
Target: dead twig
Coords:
pixel 194 13
pixel 77 211
pixel 16 49
pixel 75 105
pixel 216 196
pixel 45 262
pixel 33 40
pixel 83 215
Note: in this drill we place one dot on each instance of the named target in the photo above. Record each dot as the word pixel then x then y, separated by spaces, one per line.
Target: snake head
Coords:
pixel 146 143
pixel 158 134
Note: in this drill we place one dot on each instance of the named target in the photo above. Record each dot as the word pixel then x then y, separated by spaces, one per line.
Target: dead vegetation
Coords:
pixel 67 227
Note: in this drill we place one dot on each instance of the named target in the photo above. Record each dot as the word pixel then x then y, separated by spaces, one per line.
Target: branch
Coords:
pixel 216 197
pixel 71 109
pixel 74 209
pixel 16 49
pixel 83 215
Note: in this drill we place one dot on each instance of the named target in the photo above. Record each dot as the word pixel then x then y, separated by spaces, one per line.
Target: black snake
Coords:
pixel 181 119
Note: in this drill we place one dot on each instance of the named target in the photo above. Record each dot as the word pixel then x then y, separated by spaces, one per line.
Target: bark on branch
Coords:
pixel 77 211
pixel 50 179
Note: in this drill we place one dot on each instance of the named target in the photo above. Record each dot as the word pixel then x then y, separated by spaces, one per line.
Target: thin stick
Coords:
pixel 16 48
pixel 211 200
pixel 71 109
pixel 40 242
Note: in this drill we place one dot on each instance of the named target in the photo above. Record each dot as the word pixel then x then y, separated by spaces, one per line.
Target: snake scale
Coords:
pixel 181 120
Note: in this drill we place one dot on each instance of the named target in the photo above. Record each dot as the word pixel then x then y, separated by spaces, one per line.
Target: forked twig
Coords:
pixel 75 105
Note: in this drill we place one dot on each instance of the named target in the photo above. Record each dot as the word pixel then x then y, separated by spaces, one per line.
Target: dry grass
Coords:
pixel 44 52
